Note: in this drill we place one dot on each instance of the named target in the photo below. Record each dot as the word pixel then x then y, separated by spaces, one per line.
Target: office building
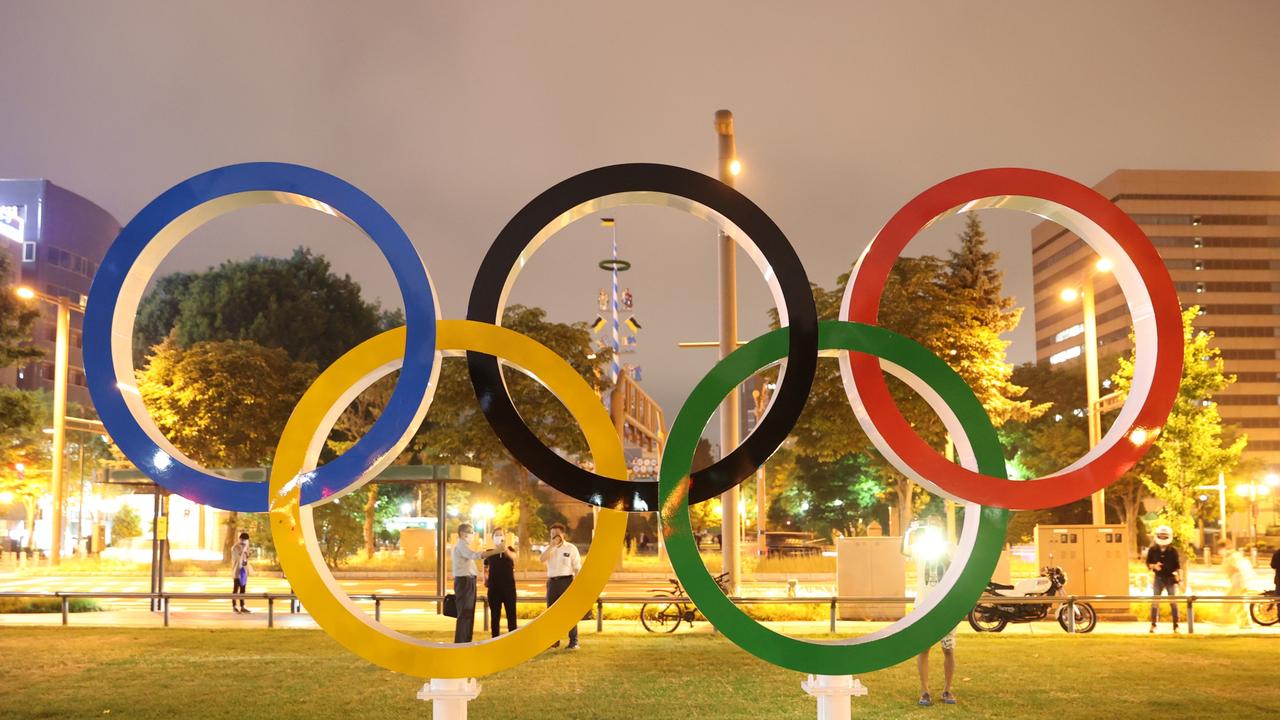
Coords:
pixel 55 239
pixel 1219 235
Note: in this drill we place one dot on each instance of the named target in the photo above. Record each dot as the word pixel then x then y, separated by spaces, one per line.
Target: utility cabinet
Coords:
pixel 1094 557
pixel 871 567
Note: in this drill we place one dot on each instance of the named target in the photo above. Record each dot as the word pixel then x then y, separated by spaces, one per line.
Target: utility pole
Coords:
pixel 729 411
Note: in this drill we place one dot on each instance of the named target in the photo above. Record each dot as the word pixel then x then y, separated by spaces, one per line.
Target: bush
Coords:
pixel 46 605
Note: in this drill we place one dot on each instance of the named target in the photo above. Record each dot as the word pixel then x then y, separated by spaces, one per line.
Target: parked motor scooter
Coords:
pixel 990 615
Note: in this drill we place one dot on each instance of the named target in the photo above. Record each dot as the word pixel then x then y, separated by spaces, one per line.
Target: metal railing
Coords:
pixel 833 602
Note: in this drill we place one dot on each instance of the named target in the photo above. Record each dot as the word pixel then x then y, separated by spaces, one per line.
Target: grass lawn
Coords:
pixel 244 674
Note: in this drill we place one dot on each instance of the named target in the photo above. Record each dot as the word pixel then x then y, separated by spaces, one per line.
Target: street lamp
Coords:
pixel 483 513
pixel 1085 294
pixel 61 352
pixel 1252 491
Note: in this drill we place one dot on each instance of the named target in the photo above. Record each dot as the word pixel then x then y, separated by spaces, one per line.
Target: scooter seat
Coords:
pixel 998 586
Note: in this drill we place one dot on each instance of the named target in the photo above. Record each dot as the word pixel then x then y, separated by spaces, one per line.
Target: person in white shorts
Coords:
pixel 927 545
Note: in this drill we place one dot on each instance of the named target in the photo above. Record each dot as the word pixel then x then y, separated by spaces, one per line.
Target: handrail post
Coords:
pixel 599 615
pixel 65 603
pixel 164 599
pixel 377 608
pixel 1191 614
pixel 271 611
pixel 833 614
pixel 1071 614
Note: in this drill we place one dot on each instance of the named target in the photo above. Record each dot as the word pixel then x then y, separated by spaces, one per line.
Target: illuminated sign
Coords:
pixel 13 222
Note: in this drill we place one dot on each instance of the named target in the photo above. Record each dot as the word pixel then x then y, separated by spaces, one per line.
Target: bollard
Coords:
pixel 833 616
pixel 165 601
pixel 65 602
pixel 1191 614
pixel 271 611
pixel 377 608
pixel 1071 614
pixel 599 615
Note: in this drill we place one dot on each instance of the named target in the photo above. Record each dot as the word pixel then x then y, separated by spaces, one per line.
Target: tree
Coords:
pixel 456 431
pixel 296 304
pixel 223 404
pixel 126 524
pixel 1190 449
pixel 955 309
pixel 25 449
pixel 17 321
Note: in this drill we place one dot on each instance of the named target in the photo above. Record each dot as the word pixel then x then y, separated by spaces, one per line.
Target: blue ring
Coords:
pixel 412 386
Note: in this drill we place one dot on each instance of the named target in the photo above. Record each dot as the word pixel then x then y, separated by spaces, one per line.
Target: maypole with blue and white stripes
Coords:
pixel 615 366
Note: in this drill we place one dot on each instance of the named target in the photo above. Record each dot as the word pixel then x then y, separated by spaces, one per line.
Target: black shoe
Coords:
pixel 574 646
pixel 1153 629
pixel 245 610
pixel 235 609
pixel 556 644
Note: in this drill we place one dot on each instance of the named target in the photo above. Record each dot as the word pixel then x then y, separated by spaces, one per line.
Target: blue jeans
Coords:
pixel 1169 586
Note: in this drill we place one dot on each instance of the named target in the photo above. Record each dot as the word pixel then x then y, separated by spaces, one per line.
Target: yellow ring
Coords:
pixel 294 532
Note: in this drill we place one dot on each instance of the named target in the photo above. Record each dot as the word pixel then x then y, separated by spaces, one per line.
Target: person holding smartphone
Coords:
pixel 500 582
pixel 563 562
pixel 240 572
pixel 464 582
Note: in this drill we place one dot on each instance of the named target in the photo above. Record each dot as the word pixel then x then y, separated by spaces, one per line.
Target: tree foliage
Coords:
pixel 1192 448
pixel 296 304
pixel 125 524
pixel 17 320
pixel 956 309
pixel 223 404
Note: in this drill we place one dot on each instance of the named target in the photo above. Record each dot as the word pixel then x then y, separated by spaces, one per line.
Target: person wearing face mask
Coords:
pixel 240 572
pixel 563 562
pixel 500 582
pixel 1163 561
pixel 464 582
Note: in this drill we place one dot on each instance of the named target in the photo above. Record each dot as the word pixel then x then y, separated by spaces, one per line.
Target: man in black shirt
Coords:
pixel 1163 560
pixel 500 582
pixel 1275 565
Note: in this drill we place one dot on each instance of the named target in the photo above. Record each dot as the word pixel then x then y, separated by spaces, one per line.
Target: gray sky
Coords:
pixel 455 115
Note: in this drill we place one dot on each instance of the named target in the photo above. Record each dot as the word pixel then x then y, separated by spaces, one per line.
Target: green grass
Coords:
pixel 84 672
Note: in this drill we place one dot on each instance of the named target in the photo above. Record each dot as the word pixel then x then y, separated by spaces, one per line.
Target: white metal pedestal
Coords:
pixel 449 697
pixel 833 693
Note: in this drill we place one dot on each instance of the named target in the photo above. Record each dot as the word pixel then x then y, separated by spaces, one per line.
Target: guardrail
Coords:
pixel 834 602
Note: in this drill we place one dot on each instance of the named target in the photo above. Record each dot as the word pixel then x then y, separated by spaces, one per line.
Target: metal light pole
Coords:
pixel 62 349
pixel 1092 402
pixel 729 430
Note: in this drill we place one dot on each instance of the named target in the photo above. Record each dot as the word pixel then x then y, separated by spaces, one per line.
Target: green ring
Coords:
pixel 854 655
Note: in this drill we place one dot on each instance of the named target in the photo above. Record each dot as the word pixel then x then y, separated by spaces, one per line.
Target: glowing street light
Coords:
pixel 1085 294
pixel 735 167
pixel 62 349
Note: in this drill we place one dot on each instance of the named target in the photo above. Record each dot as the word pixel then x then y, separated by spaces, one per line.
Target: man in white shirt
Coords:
pixel 464 582
pixel 563 562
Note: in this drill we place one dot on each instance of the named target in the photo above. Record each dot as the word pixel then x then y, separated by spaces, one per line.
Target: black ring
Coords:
pixel 611 264
pixel 802 355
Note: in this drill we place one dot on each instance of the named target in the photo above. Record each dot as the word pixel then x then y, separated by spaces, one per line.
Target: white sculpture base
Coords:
pixel 449 697
pixel 833 693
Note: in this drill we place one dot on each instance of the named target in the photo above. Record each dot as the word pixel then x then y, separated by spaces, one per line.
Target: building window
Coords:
pixel 1065 355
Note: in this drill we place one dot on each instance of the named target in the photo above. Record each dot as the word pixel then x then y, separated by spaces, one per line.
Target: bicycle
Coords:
pixel 1267 612
pixel 666 615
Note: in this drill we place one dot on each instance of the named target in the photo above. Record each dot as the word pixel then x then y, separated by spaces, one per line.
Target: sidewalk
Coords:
pixel 201 614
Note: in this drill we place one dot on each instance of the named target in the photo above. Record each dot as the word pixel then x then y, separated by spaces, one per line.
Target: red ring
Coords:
pixel 872 271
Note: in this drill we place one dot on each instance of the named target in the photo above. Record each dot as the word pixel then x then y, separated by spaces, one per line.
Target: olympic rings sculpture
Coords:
pixel 864 350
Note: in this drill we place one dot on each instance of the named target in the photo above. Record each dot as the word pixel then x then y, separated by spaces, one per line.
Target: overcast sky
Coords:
pixel 455 115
